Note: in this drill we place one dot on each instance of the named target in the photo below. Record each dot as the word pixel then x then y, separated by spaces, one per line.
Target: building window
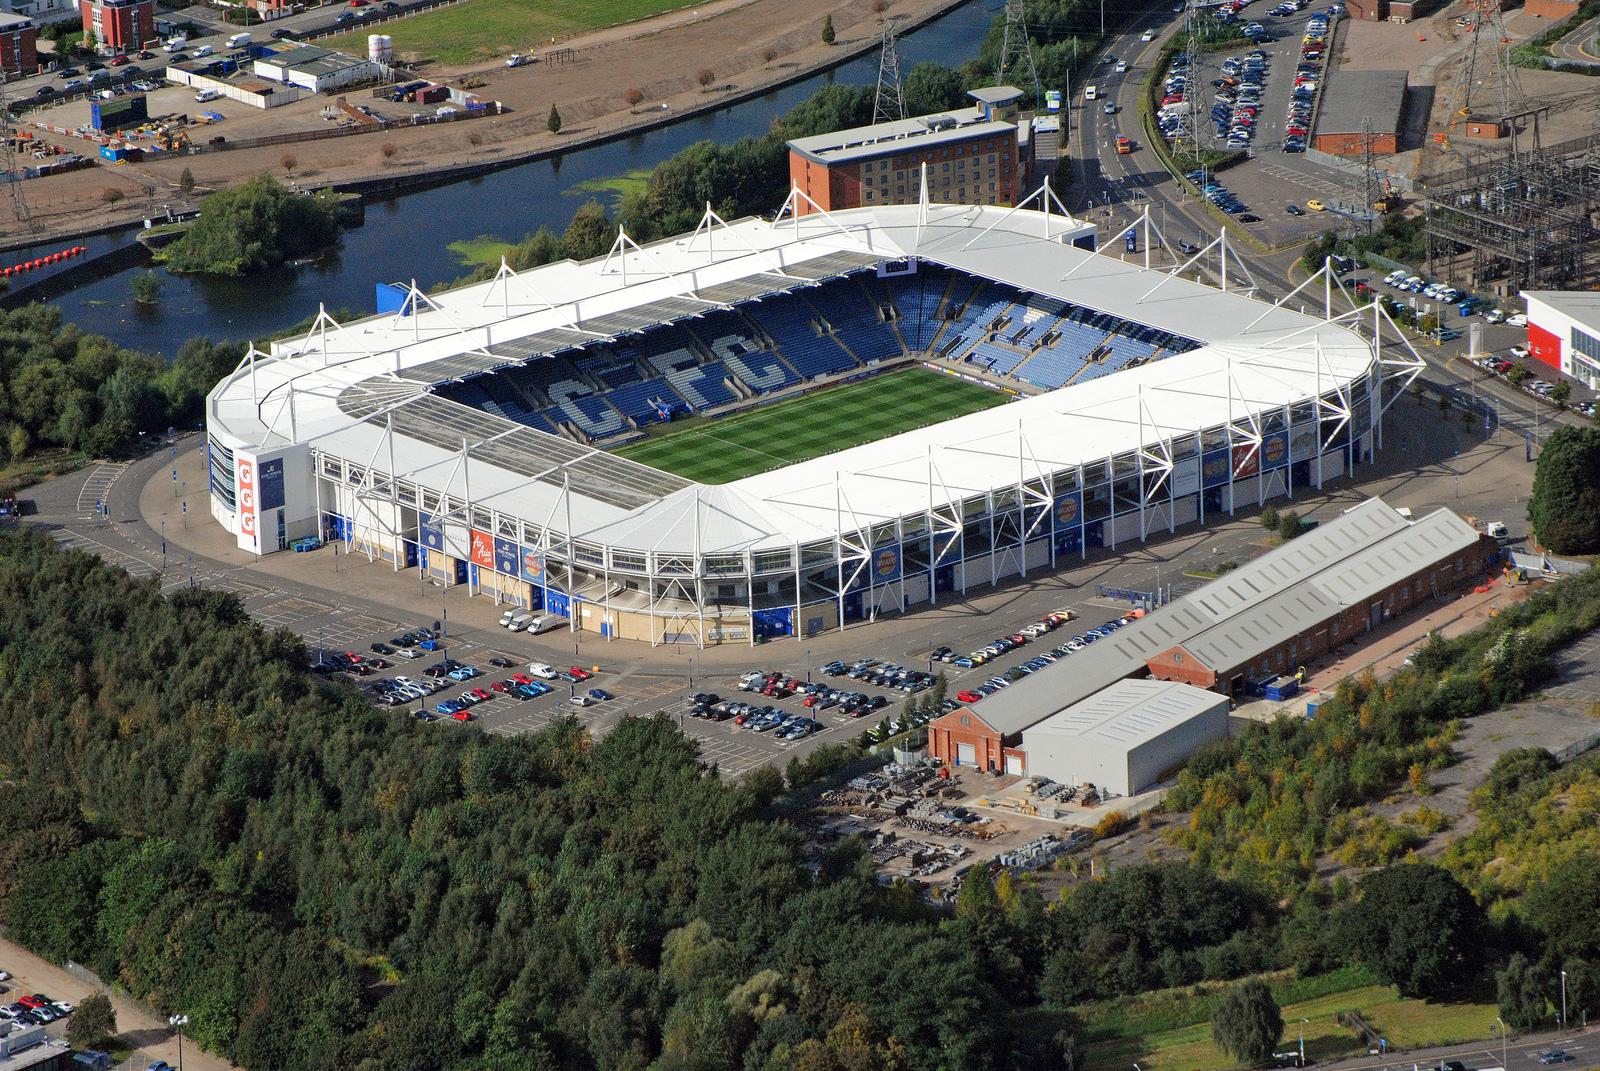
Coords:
pixel 947 167
pixel 1586 344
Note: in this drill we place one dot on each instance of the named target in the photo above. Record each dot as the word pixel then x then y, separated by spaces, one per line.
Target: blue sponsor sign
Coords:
pixel 1275 450
pixel 950 553
pixel 507 556
pixel 271 476
pixel 531 565
pixel 1068 512
pixel 1214 468
pixel 886 562
pixel 432 534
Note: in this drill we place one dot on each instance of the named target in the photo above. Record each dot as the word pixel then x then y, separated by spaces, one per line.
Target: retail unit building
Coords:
pixel 1126 738
pixel 1564 332
pixel 319 70
pixel 973 156
pixel 1285 609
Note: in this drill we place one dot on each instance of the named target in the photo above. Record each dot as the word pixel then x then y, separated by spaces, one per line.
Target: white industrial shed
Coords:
pixel 1123 739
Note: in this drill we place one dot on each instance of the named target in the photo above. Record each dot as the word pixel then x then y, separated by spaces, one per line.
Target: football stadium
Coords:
pixel 773 428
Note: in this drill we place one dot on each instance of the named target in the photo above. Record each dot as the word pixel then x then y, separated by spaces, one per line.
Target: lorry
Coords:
pixel 239 40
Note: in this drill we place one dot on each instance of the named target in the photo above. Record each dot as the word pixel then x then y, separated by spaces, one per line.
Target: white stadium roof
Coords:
pixel 343 388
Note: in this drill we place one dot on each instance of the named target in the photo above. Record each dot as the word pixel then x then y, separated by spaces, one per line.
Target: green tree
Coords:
pixel 1288 525
pixel 1565 906
pixel 933 87
pixel 186 182
pixel 146 286
pixel 1247 1023
pixel 827 30
pixel 1269 517
pixel 1564 508
pixel 18 442
pixel 94 1022
pixel 590 233
pixel 1561 393
pixel 553 123
pixel 255 226
pixel 1521 994
pixel 1418 928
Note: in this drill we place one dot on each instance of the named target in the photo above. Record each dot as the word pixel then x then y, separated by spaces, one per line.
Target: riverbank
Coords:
pixel 661 57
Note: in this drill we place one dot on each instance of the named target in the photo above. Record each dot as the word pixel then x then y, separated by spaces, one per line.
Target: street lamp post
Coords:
pixel 1563 1000
pixel 1303 1023
pixel 178 1022
pixel 1502 1023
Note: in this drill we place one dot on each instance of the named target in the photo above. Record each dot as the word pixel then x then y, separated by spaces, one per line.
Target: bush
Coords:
pixel 1247 1023
pixel 94 1022
pixel 827 30
pixel 146 286
pixel 186 182
pixel 633 96
pixel 1564 508
pixel 110 195
pixel 1269 517
pixel 388 149
pixel 1111 824
pixel 553 123
pixel 1288 525
pixel 288 162
pixel 769 54
pixel 705 76
pixel 255 226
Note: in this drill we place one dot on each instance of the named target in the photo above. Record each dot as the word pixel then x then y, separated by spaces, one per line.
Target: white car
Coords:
pixel 1517 320
pixel 1148 35
pixel 5 976
pixel 542 671
pixel 407 652
pixel 580 701
pixel 65 1007
pixel 1121 67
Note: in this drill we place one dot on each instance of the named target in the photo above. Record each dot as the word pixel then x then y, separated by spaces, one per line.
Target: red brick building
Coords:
pixel 119 25
pixel 1267 618
pixel 19 46
pixel 1358 105
pixel 973 156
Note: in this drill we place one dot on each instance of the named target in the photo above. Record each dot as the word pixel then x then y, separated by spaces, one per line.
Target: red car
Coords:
pixel 482 694
pixel 35 1001
pixel 462 715
pixel 581 674
pixel 353 658
pixel 117 61
pixel 968 697
pixel 503 686
pixel 522 678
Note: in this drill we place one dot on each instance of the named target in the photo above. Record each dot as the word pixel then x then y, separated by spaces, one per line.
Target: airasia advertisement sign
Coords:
pixel 245 478
pixel 481 548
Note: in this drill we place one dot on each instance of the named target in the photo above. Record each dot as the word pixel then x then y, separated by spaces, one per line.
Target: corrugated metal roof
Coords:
pixel 1228 611
pixel 1130 713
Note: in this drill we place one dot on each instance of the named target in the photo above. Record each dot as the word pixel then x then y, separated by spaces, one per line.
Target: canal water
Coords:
pixel 407 237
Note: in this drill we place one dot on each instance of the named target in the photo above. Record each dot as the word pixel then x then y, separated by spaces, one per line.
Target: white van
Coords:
pixel 519 620
pixel 176 44
pixel 542 671
pixel 1090 92
pixel 203 50
pixel 239 40
pixel 206 96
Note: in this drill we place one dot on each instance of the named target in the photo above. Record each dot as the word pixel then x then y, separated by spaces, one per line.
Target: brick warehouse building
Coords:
pixel 1284 609
pixel 119 26
pixel 1352 102
pixel 973 156
pixel 19 46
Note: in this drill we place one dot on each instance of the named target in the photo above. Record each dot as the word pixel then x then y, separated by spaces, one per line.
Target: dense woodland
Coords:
pixel 318 883
pixel 254 226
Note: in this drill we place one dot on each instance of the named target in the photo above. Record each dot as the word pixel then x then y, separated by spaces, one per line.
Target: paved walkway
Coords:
pixel 149 1035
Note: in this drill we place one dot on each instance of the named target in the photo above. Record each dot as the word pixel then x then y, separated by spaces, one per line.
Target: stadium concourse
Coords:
pixel 774 428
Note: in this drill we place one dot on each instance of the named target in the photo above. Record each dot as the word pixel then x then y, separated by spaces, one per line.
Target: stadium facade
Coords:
pixel 455 434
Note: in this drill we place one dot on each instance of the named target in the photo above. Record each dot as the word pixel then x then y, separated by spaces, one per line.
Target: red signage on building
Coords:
pixel 246 475
pixel 481 549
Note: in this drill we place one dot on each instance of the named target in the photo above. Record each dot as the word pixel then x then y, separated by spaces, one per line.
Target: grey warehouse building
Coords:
pixel 1126 738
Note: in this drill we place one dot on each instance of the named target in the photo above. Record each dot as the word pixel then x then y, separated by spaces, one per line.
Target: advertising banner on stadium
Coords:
pixel 946 547
pixel 480 548
pixel 1275 450
pixel 245 477
pixel 432 534
pixel 1185 477
pixel 1068 512
pixel 1214 468
pixel 272 484
pixel 507 556
pixel 886 564
pixel 533 566
pixel 1246 460
pixel 1303 442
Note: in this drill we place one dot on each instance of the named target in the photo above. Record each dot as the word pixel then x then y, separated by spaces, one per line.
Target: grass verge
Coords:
pixel 835 418
pixel 480 252
pixel 484 29
pixel 1171 1030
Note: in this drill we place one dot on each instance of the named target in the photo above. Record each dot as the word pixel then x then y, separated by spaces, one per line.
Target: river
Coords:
pixel 407 237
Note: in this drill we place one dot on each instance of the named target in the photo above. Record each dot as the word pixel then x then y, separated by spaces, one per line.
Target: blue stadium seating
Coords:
pixel 918 297
pixel 857 322
pixel 637 401
pixel 701 385
pixel 574 403
pixel 735 343
pixel 788 319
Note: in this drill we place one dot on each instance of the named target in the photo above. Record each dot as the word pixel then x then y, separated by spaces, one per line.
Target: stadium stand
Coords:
pixel 641 402
pixel 791 322
pixel 701 385
pixel 735 343
pixel 918 298
pixel 577 404
pixel 857 322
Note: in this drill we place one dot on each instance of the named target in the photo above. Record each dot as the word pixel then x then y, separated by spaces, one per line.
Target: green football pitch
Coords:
pixel 729 448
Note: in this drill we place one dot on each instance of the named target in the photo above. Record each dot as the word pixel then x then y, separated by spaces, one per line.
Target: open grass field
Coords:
pixel 733 447
pixel 485 29
pixel 1152 1032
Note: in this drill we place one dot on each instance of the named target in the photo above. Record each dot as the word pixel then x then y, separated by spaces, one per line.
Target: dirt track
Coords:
pixel 660 57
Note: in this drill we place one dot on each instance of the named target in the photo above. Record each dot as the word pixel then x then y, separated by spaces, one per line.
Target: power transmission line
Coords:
pixel 890 102
pixel 1016 51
